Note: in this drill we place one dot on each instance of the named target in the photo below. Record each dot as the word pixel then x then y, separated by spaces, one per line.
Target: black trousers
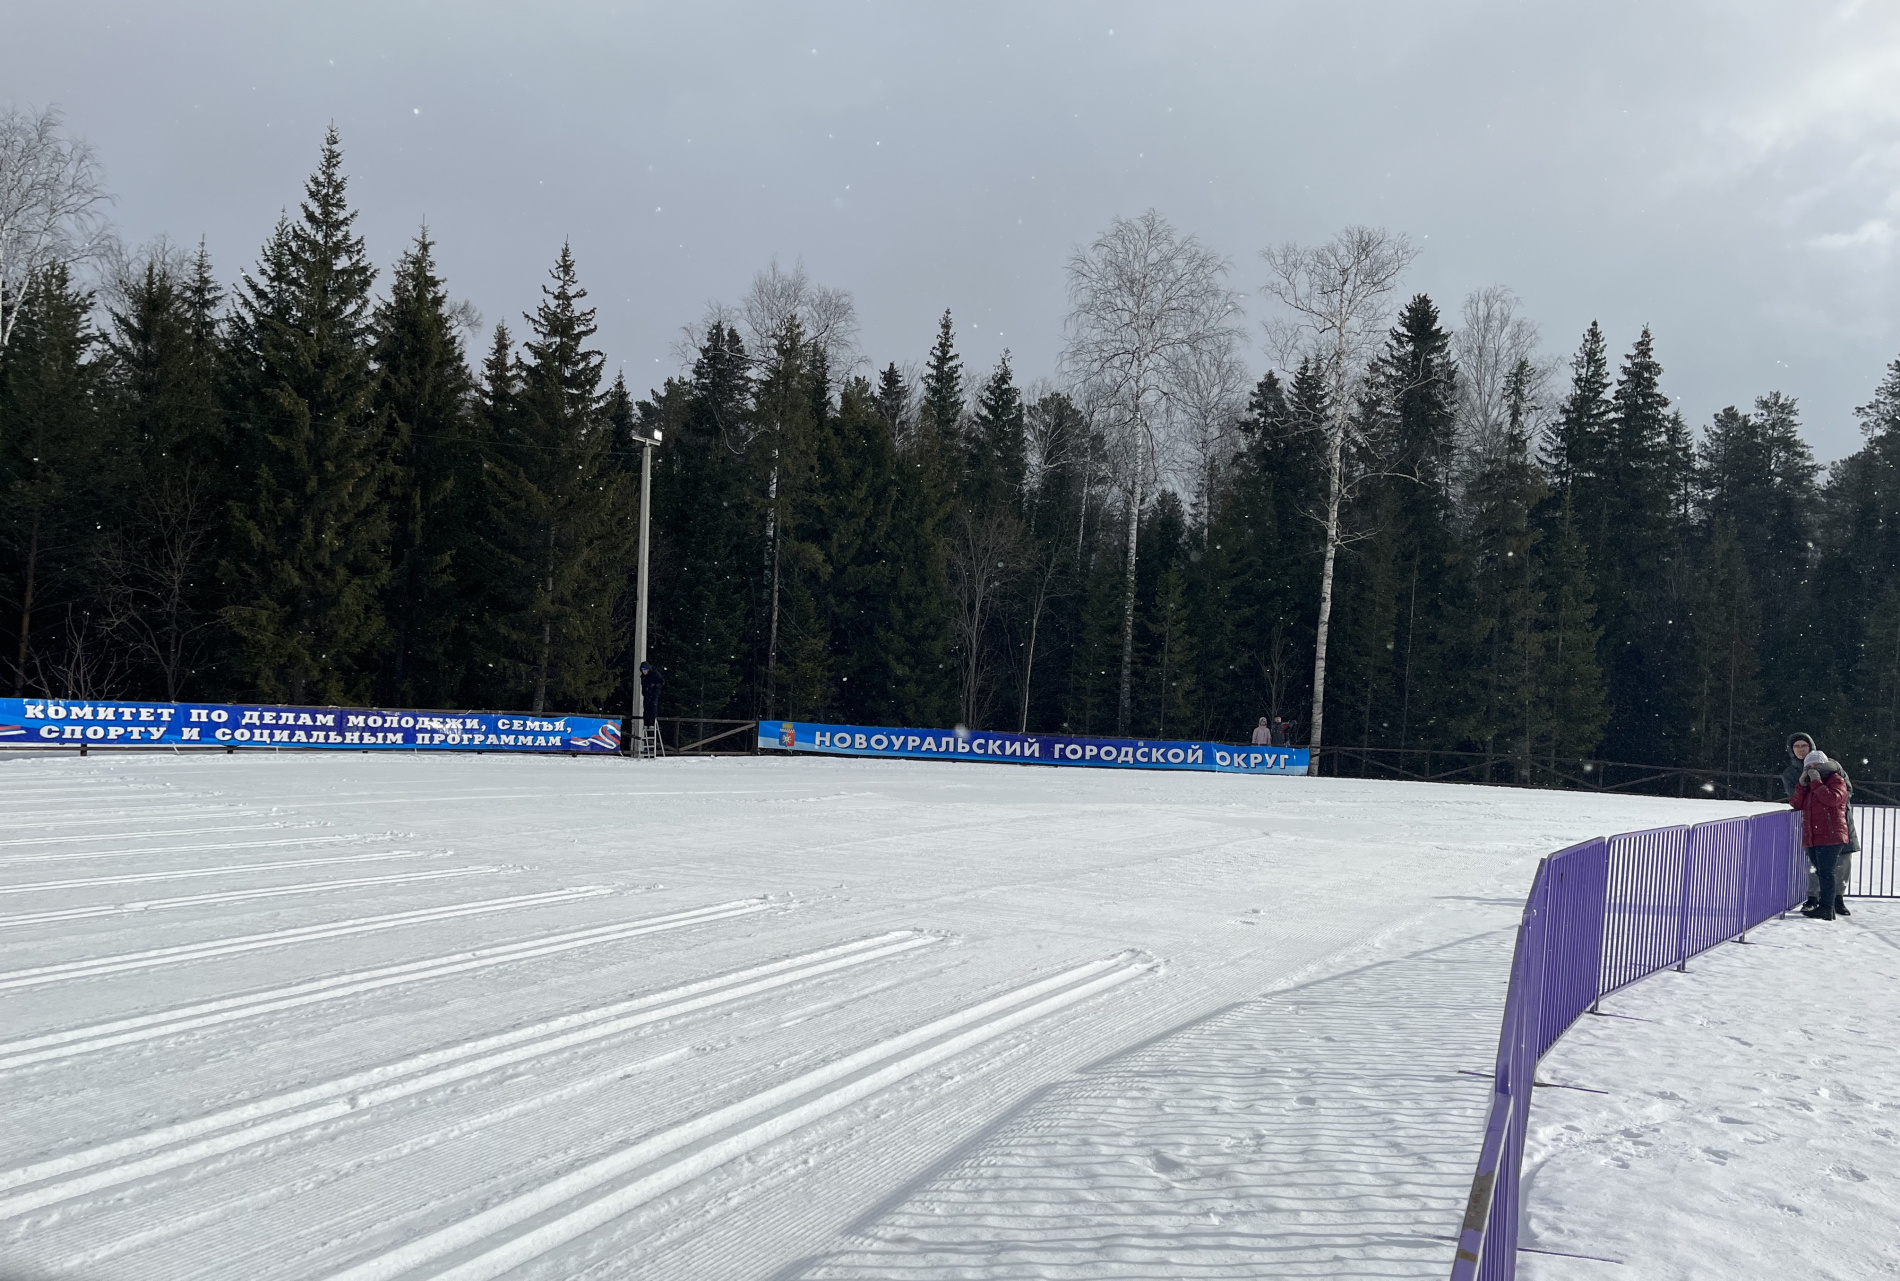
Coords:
pixel 1828 863
pixel 1844 872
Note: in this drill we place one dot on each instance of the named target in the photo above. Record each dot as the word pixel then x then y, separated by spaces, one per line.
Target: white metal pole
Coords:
pixel 640 606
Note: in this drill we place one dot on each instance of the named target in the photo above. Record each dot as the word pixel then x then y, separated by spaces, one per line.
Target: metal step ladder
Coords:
pixel 647 737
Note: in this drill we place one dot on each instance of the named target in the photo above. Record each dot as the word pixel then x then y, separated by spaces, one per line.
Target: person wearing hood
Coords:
pixel 1799 745
pixel 1820 793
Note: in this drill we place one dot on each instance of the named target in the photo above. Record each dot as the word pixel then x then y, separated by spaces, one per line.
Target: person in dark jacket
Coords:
pixel 1282 732
pixel 1799 745
pixel 1820 794
pixel 651 683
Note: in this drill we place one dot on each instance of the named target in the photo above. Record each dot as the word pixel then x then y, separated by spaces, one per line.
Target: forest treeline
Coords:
pixel 304 488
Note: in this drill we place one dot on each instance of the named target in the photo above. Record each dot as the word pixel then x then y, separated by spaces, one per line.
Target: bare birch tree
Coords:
pixel 1144 303
pixel 1334 301
pixel 51 205
pixel 1213 395
pixel 1489 349
pixel 984 552
pixel 826 315
pixel 817 319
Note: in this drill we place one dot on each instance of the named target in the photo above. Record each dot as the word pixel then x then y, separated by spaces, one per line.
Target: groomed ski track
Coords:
pixel 746 1018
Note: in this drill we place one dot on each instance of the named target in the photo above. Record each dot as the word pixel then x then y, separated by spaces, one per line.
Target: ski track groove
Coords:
pixel 74 1174
pixel 684 1152
pixel 189 873
pixel 184 849
pixel 238 896
pixel 127 836
pixel 146 1027
pixel 151 958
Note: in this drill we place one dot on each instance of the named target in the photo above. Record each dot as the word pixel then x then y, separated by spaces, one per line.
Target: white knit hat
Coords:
pixel 1815 757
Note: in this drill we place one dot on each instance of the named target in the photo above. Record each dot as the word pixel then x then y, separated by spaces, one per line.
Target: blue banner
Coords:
pixel 61 722
pixel 1028 749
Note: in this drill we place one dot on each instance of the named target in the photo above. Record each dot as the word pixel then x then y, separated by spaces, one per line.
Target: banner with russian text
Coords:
pixel 56 722
pixel 1028 749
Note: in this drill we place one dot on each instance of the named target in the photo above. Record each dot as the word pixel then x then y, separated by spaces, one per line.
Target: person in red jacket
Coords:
pixel 1821 796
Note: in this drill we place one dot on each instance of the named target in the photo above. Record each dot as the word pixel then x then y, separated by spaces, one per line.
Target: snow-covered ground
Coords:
pixel 362 1016
pixel 1750 1124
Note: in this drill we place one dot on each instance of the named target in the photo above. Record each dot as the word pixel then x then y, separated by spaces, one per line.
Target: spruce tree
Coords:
pixel 1846 654
pixel 155 569
pixel 422 395
pixel 1757 477
pixel 1502 711
pixel 560 512
pixel 704 549
pixel 1579 439
pixel 918 676
pixel 1416 516
pixel 942 388
pixel 1263 555
pixel 56 472
pixel 1727 727
pixel 996 453
pixel 309 555
pixel 1573 706
pixel 851 531
pixel 1632 507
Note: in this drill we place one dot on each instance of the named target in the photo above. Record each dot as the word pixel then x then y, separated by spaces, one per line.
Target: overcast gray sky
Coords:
pixel 1726 171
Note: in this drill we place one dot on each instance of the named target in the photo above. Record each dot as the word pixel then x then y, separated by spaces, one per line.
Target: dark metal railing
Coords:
pixel 732 739
pixel 1502 770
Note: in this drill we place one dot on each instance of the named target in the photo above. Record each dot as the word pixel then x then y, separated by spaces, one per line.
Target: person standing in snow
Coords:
pixel 1799 745
pixel 1820 793
pixel 651 683
pixel 1282 732
pixel 1263 734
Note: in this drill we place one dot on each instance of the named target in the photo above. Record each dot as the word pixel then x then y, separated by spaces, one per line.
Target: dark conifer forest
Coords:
pixel 320 482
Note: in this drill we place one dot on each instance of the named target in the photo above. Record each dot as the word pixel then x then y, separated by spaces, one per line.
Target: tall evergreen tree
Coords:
pixel 309 556
pixel 422 395
pixel 1419 387
pixel 942 389
pixel 1509 615
pixel 1631 506
pixel 55 473
pixel 704 549
pixel 1263 553
pixel 560 511
pixel 918 676
pixel 1579 441
pixel 996 453
pixel 1725 633
pixel 1757 478
pixel 156 564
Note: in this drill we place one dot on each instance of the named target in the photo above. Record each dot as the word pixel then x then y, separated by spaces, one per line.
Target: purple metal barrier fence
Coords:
pixel 1642 919
pixel 1600 916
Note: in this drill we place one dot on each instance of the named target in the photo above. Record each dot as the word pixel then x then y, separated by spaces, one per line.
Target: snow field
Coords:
pixel 748 1017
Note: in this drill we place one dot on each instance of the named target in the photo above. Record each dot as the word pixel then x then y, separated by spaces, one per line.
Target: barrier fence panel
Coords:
pixel 1643 910
pixel 1575 884
pixel 1876 871
pixel 1599 916
pixel 1712 901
